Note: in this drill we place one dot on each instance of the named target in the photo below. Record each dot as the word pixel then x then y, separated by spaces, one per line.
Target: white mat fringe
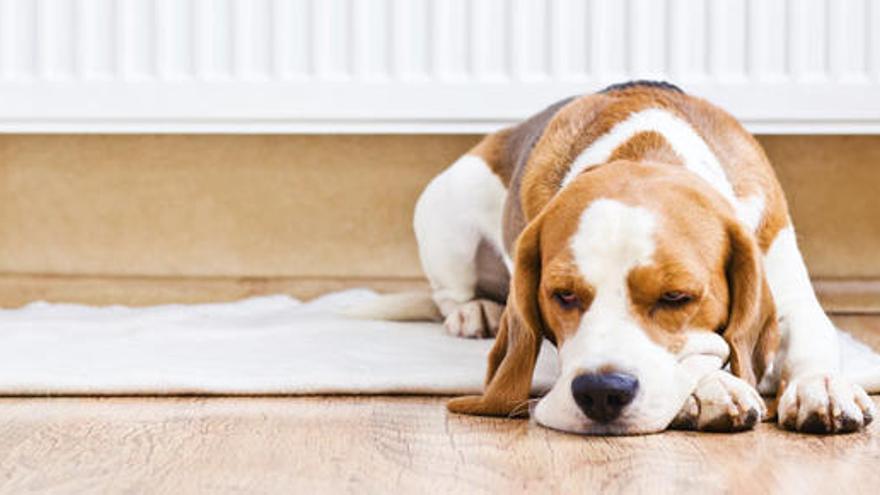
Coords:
pixel 262 345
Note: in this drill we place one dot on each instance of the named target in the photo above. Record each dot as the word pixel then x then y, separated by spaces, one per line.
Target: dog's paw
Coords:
pixel 824 403
pixel 721 403
pixel 474 319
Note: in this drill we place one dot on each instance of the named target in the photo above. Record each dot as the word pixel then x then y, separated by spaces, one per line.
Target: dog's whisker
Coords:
pixel 523 407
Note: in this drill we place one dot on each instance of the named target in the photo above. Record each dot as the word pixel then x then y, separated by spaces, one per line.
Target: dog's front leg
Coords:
pixel 813 396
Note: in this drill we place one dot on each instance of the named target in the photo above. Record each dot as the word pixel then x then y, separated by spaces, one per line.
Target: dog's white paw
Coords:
pixel 824 403
pixel 722 403
pixel 474 319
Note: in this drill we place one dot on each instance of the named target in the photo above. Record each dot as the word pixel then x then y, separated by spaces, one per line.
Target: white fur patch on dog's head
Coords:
pixel 611 239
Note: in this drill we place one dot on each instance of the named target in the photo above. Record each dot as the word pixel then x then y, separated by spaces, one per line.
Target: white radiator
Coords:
pixel 782 66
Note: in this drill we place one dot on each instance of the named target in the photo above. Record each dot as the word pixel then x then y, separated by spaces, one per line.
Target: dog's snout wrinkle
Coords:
pixel 602 396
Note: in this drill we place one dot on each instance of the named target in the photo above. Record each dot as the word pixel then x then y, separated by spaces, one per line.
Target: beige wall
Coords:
pixel 214 205
pixel 833 188
pixel 339 206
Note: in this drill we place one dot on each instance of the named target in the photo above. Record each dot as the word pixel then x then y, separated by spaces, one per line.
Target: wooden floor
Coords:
pixel 396 445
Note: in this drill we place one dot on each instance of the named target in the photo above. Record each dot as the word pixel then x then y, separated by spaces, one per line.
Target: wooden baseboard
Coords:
pixel 18 290
pixel 849 296
pixel 841 296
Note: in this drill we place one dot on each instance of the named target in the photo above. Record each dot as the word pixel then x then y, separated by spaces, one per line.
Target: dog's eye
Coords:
pixel 566 299
pixel 675 299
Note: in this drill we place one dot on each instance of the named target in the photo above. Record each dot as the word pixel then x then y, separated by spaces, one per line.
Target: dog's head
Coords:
pixel 644 280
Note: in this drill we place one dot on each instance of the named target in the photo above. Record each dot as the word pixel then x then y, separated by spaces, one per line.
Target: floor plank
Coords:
pixel 397 444
pixel 391 444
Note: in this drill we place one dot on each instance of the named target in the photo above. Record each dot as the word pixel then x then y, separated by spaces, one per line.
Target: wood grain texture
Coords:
pixel 391 445
pixel 360 445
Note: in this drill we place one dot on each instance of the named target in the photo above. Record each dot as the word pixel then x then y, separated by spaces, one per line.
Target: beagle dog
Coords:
pixel 641 231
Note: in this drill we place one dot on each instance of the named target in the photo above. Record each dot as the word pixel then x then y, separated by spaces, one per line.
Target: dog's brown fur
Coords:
pixel 532 159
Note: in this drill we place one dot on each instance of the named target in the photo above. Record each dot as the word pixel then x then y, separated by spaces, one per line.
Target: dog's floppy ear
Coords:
pixel 513 357
pixel 751 329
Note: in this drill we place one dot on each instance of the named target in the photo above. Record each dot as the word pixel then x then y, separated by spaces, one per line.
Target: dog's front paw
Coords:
pixel 474 319
pixel 721 403
pixel 824 403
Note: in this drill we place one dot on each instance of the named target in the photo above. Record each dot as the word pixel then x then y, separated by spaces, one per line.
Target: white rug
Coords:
pixel 263 345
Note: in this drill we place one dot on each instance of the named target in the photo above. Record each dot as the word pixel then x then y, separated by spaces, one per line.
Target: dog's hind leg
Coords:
pixel 457 223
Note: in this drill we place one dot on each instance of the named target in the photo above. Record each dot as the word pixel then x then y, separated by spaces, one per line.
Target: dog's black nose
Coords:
pixel 602 396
